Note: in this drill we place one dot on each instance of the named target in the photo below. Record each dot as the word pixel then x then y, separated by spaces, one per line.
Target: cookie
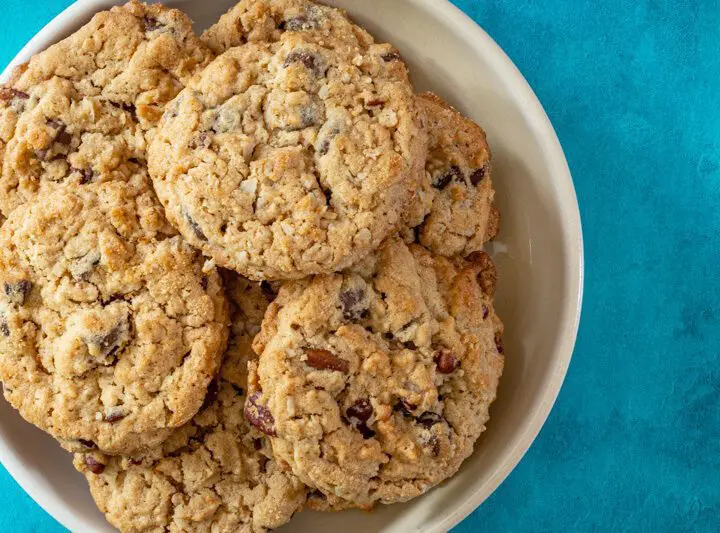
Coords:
pixel 111 328
pixel 82 110
pixel 458 186
pixel 266 21
pixel 374 384
pixel 212 475
pixel 289 158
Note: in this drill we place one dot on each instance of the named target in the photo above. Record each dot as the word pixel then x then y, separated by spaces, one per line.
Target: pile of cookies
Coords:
pixel 242 274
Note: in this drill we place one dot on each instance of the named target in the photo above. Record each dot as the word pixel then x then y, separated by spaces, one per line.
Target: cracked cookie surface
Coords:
pixel 111 327
pixel 374 384
pixel 213 474
pixel 292 157
pixel 458 183
pixel 82 110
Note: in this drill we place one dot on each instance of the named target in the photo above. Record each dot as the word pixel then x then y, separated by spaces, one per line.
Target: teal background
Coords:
pixel 633 89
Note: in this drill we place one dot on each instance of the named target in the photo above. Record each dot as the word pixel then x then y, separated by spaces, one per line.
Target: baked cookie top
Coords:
pixel 212 474
pixel 80 111
pixel 294 157
pixel 459 186
pixel 110 328
pixel 267 20
pixel 374 384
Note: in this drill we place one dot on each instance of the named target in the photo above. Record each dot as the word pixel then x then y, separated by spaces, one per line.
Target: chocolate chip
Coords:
pixel 152 24
pixel 17 291
pixel 433 444
pixel 82 267
pixel 86 174
pixel 202 140
pixel 453 173
pixel 391 56
pixel 87 444
pixel 300 56
pixel 365 431
pixel 360 411
pixel 61 135
pixel 130 108
pixel 405 407
pixel 299 23
pixel 195 227
pixel 8 93
pixel 325 360
pixel 113 414
pixel 258 415
pixel 499 343
pixel 428 419
pixel 446 361
pixel 324 147
pixel 95 466
pixel 352 302
pixel 111 342
pixel 358 414
pixel 477 176
pixel 210 395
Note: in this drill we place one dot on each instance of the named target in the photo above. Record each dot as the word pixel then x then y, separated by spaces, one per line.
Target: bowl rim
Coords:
pixel 67 20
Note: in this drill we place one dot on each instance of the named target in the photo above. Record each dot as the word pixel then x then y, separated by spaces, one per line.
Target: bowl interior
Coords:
pixel 538 254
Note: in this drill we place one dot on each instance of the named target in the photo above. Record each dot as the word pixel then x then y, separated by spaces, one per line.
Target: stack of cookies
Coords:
pixel 242 274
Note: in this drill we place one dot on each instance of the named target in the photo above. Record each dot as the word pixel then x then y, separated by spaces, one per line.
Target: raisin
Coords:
pixel 499 343
pixel 391 56
pixel 446 361
pixel 258 415
pixel 95 466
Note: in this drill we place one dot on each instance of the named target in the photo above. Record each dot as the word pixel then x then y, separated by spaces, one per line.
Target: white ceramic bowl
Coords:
pixel 539 256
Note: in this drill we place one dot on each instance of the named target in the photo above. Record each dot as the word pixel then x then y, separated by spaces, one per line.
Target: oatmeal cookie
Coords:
pixel 374 384
pixel 214 473
pixel 81 111
pixel 293 157
pixel 111 328
pixel 462 217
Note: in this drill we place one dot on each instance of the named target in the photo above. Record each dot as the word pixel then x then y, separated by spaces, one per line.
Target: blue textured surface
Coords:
pixel 633 89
